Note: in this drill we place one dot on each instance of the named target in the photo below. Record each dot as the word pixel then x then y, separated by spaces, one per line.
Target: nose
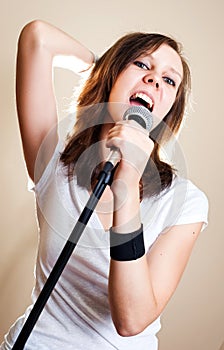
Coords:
pixel 152 81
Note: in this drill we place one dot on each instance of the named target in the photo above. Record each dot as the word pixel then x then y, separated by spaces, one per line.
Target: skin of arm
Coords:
pixel 38 47
pixel 140 289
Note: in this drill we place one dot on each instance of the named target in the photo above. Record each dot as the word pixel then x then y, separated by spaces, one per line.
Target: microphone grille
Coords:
pixel 141 115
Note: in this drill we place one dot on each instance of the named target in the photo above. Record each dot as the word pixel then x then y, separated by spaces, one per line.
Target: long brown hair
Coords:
pixel 91 111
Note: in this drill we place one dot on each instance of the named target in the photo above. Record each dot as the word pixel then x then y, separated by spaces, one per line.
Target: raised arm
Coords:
pixel 40 45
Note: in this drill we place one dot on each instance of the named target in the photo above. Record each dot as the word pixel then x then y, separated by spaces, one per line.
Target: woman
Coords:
pixel 106 298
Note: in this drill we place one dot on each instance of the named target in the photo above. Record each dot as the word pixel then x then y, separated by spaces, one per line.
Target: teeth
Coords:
pixel 143 97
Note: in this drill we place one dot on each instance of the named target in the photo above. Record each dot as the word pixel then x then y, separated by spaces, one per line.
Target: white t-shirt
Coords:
pixel 77 314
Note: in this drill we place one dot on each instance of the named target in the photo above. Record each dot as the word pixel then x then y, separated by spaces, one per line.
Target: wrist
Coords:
pixel 128 246
pixel 125 194
pixel 93 59
pixel 126 217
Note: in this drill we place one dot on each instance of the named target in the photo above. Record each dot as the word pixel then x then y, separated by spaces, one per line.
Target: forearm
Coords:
pixel 132 302
pixel 126 216
pixel 64 50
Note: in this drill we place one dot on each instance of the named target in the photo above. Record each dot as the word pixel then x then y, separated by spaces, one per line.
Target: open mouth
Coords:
pixel 141 99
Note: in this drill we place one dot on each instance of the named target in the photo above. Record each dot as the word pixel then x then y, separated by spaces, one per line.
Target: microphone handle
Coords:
pixel 114 156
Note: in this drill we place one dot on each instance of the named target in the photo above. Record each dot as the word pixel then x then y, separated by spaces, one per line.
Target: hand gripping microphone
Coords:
pixel 143 117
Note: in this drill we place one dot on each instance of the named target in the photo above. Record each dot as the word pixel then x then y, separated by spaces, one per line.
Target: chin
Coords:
pixel 117 110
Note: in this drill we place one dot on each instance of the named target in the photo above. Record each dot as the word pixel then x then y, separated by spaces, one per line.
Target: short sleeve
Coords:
pixel 194 206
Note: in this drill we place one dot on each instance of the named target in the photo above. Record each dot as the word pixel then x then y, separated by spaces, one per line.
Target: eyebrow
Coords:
pixel 175 72
pixel 172 69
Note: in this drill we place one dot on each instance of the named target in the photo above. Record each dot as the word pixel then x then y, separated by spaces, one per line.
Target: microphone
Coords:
pixel 143 117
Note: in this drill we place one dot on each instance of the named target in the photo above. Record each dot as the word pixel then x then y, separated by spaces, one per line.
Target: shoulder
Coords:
pixel 188 190
pixel 180 204
pixel 188 201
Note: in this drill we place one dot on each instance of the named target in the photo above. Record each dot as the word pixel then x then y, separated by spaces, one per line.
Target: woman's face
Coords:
pixel 151 80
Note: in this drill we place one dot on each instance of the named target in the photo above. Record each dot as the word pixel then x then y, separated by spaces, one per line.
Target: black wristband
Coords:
pixel 127 246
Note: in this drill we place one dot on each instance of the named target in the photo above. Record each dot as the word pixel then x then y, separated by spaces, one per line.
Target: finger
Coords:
pixel 131 125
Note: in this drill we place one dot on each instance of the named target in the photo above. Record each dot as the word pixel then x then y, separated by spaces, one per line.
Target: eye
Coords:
pixel 141 65
pixel 169 81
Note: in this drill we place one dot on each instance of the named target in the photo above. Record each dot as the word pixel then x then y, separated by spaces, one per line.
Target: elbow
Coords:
pixel 31 35
pixel 130 325
pixel 128 332
pixel 129 329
